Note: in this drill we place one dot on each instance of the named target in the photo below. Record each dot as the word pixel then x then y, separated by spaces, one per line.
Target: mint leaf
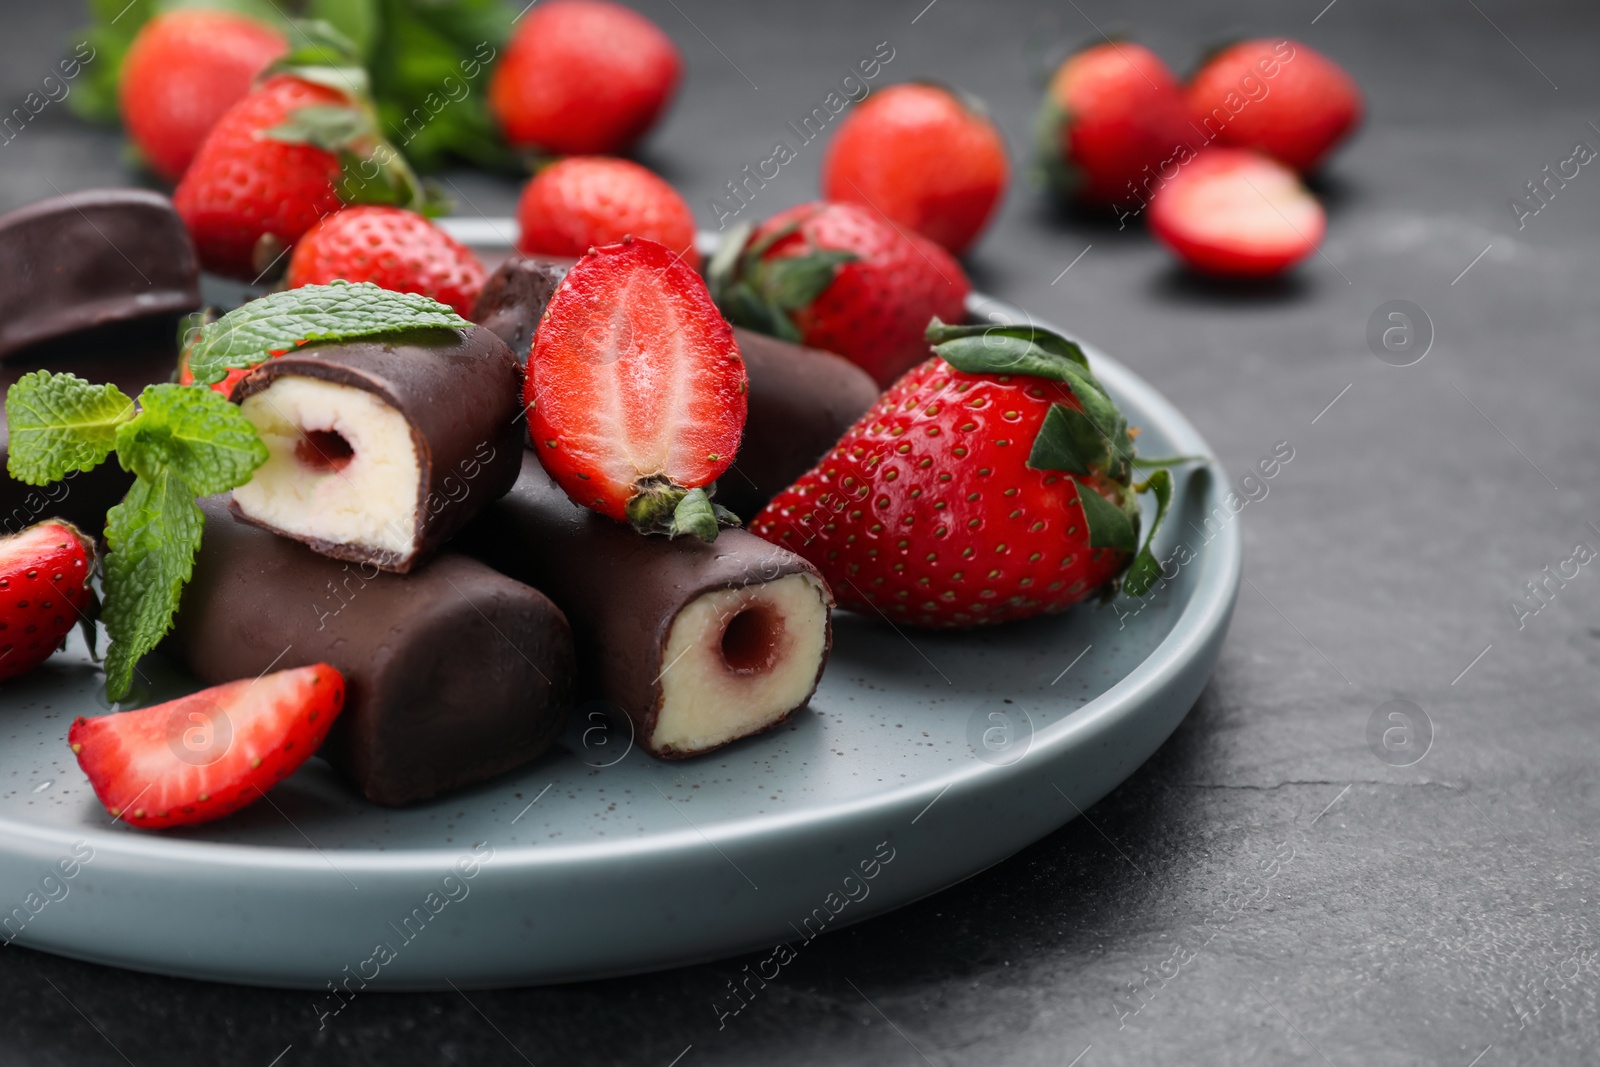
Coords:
pixel 153 536
pixel 1145 569
pixel 60 423
pixel 194 433
pixel 280 322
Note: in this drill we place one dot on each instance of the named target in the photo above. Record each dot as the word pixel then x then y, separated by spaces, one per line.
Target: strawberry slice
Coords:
pixel 636 389
pixel 208 754
pixel 44 592
pixel 1235 212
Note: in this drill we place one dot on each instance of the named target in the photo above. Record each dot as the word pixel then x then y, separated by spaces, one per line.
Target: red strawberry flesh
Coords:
pixel 208 754
pixel 44 589
pixel 634 380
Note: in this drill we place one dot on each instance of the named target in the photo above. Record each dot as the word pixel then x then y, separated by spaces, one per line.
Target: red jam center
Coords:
pixel 752 641
pixel 324 450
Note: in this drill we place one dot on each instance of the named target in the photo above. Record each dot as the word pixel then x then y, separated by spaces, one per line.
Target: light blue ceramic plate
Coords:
pixel 924 759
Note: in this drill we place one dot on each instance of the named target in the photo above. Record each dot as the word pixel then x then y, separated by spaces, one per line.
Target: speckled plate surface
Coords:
pixel 924 758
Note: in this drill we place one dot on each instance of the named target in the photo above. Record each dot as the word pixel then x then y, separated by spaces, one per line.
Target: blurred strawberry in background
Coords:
pixel 392 248
pixel 583 77
pixel 926 156
pixel 1235 212
pixel 1276 96
pixel 183 71
pixel 1111 111
pixel 584 201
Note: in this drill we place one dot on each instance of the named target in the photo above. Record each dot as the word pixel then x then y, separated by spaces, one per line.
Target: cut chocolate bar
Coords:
pixel 700 644
pixel 379 451
pixel 75 262
pixel 455 673
pixel 802 400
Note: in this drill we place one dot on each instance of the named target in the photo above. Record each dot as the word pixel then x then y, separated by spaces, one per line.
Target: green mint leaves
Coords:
pixel 60 423
pixel 180 442
pixel 153 536
pixel 281 322
pixel 1089 440
pixel 758 293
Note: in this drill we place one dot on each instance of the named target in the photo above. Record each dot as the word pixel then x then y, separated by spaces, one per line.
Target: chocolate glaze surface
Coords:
pixel 515 296
pixel 131 354
pixel 460 391
pixel 455 672
pixel 620 589
pixel 91 258
pixel 802 400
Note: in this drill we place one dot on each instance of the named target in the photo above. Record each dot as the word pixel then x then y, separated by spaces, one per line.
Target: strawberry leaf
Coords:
pixel 1109 525
pixel 279 322
pixel 59 423
pixel 793 282
pixel 1145 569
pixel 330 127
pixel 321 54
pixel 153 536
pixel 1068 441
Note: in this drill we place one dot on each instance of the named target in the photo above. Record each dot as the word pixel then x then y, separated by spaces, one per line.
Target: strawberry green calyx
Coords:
pixel 761 294
pixel 664 508
pixel 1052 169
pixel 339 311
pixel 374 171
pixel 1090 440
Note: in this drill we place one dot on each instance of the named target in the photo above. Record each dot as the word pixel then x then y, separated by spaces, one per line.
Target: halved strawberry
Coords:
pixel 208 754
pixel 636 389
pixel 1236 212
pixel 44 591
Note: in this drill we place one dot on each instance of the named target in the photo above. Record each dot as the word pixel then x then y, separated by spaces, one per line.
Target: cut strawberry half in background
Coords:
pixel 636 389
pixel 1236 212
pixel 208 754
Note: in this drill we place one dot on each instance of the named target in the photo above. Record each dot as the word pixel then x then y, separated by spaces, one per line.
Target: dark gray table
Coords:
pixel 1266 890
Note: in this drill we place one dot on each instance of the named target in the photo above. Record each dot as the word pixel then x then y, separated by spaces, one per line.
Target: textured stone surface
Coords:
pixel 1441 913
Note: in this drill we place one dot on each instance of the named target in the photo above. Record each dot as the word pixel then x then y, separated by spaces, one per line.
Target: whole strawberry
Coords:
pixel 636 392
pixel 993 482
pixel 1278 97
pixel 182 72
pixel 928 157
pixel 841 278
pixel 578 203
pixel 1113 114
pixel 293 151
pixel 583 77
pixel 390 247
pixel 44 592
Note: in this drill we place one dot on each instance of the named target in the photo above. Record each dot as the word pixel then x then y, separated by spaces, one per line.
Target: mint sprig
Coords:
pixel 179 442
pixel 281 322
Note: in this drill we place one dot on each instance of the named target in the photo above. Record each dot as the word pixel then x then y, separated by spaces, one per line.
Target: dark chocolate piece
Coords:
pixel 455 673
pixel 700 644
pixel 131 354
pixel 341 420
pixel 514 299
pixel 87 259
pixel 802 400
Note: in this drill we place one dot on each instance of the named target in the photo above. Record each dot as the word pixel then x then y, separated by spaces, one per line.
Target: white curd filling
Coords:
pixel 738 660
pixel 341 466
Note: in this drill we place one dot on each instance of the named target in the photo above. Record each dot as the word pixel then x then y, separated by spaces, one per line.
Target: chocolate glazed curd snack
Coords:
pixel 700 644
pixel 455 673
pixel 71 263
pixel 381 450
